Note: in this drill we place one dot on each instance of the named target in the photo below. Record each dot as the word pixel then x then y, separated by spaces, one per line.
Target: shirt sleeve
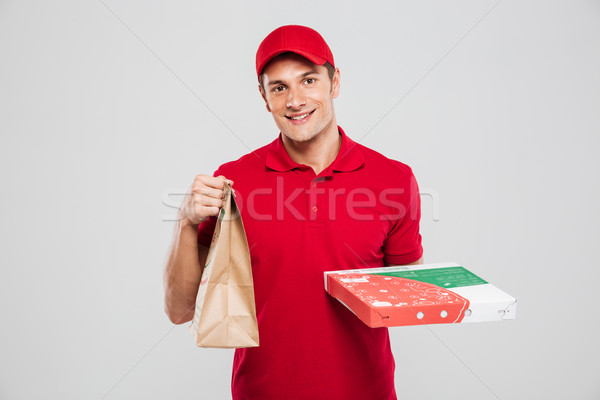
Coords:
pixel 403 244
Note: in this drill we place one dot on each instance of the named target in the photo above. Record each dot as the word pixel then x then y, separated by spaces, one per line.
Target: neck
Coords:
pixel 319 152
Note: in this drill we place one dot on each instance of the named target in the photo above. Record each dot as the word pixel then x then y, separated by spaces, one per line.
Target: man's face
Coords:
pixel 299 95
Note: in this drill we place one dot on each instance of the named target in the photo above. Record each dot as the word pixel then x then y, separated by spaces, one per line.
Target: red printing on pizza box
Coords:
pixel 441 293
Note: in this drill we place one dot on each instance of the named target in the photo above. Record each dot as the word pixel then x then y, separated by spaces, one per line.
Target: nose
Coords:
pixel 295 99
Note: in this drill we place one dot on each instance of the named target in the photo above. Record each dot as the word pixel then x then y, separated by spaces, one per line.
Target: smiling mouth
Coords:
pixel 300 117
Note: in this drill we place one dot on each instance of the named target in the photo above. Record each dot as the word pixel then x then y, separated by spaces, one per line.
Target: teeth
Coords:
pixel 300 116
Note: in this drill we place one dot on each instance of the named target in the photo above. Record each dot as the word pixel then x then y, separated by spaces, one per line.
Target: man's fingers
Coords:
pixel 206 196
pixel 207 211
pixel 206 201
pixel 208 191
pixel 226 180
pixel 213 211
pixel 216 182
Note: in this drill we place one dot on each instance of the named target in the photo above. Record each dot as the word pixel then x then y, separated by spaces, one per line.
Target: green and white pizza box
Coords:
pixel 438 293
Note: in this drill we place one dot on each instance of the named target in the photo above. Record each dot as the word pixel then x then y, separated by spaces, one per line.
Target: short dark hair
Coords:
pixel 330 69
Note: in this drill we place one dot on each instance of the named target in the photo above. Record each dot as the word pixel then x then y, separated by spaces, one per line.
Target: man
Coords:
pixel 311 201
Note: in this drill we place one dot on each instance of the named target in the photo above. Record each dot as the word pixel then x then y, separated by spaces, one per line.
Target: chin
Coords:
pixel 300 137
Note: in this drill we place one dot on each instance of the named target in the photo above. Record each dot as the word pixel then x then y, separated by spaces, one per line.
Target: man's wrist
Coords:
pixel 185 222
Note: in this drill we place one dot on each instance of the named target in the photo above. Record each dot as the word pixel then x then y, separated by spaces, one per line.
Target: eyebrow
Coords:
pixel 311 72
pixel 304 75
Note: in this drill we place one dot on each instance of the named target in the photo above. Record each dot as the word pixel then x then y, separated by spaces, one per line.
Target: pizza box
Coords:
pixel 443 293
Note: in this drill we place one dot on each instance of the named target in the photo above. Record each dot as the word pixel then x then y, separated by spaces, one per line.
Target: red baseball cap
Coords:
pixel 295 38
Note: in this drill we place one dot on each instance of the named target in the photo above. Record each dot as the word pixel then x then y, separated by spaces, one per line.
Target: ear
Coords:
pixel 264 96
pixel 335 84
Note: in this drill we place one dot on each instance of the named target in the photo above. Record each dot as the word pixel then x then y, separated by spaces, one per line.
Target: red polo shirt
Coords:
pixel 362 211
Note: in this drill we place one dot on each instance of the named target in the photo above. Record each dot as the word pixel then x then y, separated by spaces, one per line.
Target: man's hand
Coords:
pixel 186 258
pixel 205 198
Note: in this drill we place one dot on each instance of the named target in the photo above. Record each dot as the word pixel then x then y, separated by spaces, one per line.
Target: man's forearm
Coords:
pixel 183 271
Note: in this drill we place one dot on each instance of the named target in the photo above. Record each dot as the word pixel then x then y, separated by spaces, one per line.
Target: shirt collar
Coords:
pixel 348 159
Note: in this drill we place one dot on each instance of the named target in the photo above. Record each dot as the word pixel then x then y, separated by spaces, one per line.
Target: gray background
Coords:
pixel 106 108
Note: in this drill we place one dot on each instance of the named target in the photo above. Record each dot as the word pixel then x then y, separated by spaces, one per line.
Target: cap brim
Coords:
pixel 311 57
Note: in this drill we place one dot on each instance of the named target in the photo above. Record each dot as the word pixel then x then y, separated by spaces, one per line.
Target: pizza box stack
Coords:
pixel 444 293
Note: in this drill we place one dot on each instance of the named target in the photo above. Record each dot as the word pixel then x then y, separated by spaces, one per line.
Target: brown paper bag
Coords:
pixel 225 311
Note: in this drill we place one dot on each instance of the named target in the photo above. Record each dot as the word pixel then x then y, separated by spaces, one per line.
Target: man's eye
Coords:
pixel 278 88
pixel 310 80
